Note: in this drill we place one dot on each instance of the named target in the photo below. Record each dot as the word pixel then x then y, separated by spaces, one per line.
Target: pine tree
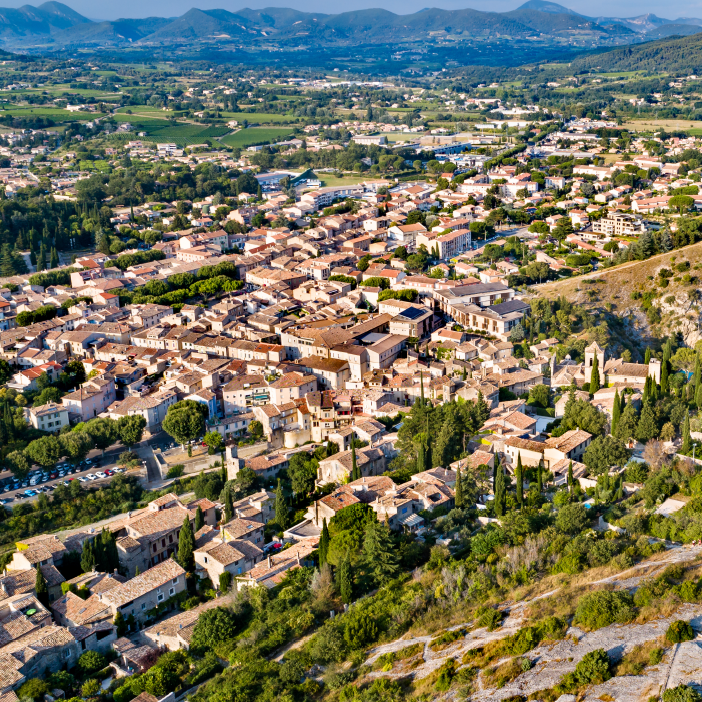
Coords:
pixel 323 543
pixel 380 553
pixel 281 508
pixel 459 489
pixel 500 493
pixel 616 412
pixel 186 546
pixel 595 376
pixel 344 580
pixel 41 588
pixel 687 439
pixel 570 476
pixel 7 264
pixel 519 480
pixel 87 559
pixel 228 506
pixel 54 258
pixel 355 471
pixel 200 518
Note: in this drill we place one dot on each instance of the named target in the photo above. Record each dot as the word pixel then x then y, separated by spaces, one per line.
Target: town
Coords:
pixel 317 386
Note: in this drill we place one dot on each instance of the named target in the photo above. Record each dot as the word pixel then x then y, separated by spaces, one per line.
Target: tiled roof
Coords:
pixel 142 584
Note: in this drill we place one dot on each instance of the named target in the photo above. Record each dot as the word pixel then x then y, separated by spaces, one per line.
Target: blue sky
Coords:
pixel 101 9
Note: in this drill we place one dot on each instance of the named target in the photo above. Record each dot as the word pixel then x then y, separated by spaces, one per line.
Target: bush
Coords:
pixel 679 631
pixel 360 630
pixel 682 693
pixel 176 471
pixel 599 609
pixel 225 581
pixel 90 688
pixel 34 689
pixel 490 618
pixel 572 518
pixel 593 669
pixel 91 661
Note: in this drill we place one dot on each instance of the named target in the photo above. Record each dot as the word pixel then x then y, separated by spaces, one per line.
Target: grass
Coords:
pixel 330 180
pixel 635 661
pixel 57 114
pixel 255 135
pixel 257 117
pixel 502 674
pixel 646 125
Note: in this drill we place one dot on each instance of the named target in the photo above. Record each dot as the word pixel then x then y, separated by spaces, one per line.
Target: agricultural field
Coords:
pixel 257 117
pixel 54 113
pixel 255 135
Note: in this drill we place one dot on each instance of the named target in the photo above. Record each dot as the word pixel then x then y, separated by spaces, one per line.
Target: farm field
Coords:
pixel 257 117
pixel 255 135
pixel 56 114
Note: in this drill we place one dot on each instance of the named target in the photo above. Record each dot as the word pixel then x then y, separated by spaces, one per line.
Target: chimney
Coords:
pixel 269 562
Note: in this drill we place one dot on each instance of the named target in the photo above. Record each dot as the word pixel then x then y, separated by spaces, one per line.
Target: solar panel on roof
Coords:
pixel 412 313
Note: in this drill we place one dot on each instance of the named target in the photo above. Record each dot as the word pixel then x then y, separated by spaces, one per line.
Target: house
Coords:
pixel 91 399
pixel 49 417
pixel 337 468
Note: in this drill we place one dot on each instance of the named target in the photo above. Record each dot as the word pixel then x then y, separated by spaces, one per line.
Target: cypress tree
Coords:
pixel 87 559
pixel 519 480
pixel 355 471
pixel 595 376
pixel 500 493
pixel 647 357
pixel 54 258
pixel 459 489
pixel 186 546
pixel 570 476
pixel 687 439
pixel 665 386
pixel 421 388
pixel 323 543
pixel 110 555
pixel 697 375
pixel 698 396
pixel 281 508
pixel 616 412
pixel 345 583
pixel 228 506
pixel 200 518
pixel 41 588
pixel 427 452
pixel 539 478
pixel 421 459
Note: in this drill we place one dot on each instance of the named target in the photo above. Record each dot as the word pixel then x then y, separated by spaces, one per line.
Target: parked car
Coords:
pixel 82 479
pixel 100 474
pixel 90 476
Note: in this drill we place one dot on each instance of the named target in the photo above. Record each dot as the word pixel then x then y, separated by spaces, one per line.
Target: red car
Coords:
pixel 109 472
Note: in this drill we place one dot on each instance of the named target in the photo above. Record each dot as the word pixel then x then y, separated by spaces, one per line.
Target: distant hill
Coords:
pixel 677 55
pixel 670 30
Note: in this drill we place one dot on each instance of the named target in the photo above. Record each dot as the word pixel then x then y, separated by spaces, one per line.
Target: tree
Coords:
pixel 302 473
pixel 580 414
pixel 539 395
pixel 519 480
pixel 199 519
pixel 603 453
pixel 228 506
pixel 186 546
pixel 616 412
pixel 379 553
pixel 214 442
pixel 323 543
pixel 687 439
pixel 41 588
pixel 344 579
pixel 570 476
pixel 679 693
pixel 256 430
pixel 225 581
pixel 90 687
pixel 131 429
pixel 76 445
pixel 91 661
pixel 213 627
pixel 184 422
pixel 572 518
pixel 102 431
pixel 355 470
pixel 45 450
pixel 626 427
pixel 500 490
pixel 120 624
pixel 17 462
pixel 87 558
pixel 595 376
pixel 647 427
pixel 458 500
pixel 281 508
pixel 34 689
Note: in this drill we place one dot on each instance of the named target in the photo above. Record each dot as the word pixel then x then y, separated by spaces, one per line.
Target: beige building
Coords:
pixel 50 417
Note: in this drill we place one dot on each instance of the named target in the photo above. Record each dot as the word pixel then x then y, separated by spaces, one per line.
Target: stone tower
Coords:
pixel 590 352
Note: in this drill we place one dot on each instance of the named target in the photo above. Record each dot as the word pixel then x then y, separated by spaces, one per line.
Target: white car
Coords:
pixel 90 476
pixel 82 479
pixel 100 474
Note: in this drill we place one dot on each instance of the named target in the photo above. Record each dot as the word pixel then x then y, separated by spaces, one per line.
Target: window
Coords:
pixel 206 561
pixel 155 547
pixel 159 598
pixel 175 581
pixel 171 591
pixel 143 606
pixel 170 539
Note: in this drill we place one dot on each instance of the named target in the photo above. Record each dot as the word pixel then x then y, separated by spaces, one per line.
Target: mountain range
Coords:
pixel 53 26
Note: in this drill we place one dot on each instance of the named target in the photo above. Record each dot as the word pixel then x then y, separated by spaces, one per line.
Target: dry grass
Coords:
pixel 641 656
pixel 502 674
pixel 647 125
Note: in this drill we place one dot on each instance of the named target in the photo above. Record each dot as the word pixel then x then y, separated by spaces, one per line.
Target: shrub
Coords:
pixel 572 518
pixel 360 630
pixel 176 471
pixel 679 631
pixel 682 693
pixel 34 689
pixel 90 688
pixel 599 609
pixel 91 661
pixel 490 618
pixel 593 669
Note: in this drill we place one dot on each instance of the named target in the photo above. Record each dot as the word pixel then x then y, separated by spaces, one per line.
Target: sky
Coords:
pixel 106 9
